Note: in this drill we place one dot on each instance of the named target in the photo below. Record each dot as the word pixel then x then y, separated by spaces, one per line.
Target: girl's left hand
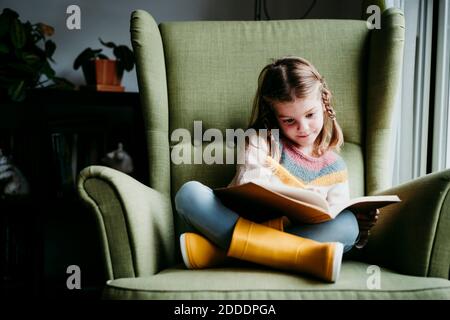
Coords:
pixel 365 222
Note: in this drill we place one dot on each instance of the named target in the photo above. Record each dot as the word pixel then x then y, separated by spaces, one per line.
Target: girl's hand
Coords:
pixel 365 222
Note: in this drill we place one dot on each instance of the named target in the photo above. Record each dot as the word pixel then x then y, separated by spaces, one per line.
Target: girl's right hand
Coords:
pixel 365 222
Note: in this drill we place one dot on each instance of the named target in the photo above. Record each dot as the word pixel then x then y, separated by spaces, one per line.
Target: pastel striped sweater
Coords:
pixel 326 175
pixel 286 164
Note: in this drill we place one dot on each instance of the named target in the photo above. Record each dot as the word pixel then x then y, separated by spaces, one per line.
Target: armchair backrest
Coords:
pixel 207 71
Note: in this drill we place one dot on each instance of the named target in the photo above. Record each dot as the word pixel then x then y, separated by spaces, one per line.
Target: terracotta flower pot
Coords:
pixel 102 72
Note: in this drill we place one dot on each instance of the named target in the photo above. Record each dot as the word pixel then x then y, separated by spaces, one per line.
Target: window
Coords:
pixel 422 138
pixel 441 132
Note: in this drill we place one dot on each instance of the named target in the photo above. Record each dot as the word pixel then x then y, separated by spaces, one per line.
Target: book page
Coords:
pixel 364 204
pixel 255 202
pixel 304 195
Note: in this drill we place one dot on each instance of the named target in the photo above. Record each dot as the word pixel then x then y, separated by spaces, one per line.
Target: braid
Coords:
pixel 336 138
pixel 326 99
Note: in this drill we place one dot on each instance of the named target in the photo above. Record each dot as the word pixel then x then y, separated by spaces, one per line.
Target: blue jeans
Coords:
pixel 201 209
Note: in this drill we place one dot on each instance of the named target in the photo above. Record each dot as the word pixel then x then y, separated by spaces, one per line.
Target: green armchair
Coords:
pixel 207 71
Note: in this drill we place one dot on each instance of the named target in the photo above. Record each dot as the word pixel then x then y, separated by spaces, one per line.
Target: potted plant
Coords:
pixel 101 72
pixel 25 53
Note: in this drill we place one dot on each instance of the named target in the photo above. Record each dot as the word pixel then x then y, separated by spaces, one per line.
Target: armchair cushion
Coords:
pixel 134 222
pixel 412 237
pixel 261 284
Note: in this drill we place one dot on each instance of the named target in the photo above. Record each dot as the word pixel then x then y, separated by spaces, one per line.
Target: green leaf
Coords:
pixel 30 58
pixel 125 57
pixel 22 69
pixel 85 56
pixel 35 33
pixel 11 14
pixel 17 91
pixel 62 83
pixel 111 45
pixel 28 28
pixel 17 33
pixel 4 48
pixel 5 81
pixel 4 25
pixel 119 70
pixel 6 19
pixel 48 70
pixel 102 56
pixel 50 48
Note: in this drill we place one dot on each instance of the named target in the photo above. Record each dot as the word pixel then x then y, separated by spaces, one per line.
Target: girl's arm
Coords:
pixel 255 167
pixel 284 175
pixel 339 193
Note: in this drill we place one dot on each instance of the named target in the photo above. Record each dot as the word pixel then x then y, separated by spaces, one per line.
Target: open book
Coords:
pixel 260 202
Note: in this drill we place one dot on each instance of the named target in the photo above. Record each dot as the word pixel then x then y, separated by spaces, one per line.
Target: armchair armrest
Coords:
pixel 413 236
pixel 135 222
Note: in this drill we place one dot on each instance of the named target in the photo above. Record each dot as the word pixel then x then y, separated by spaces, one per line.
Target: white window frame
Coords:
pixel 441 132
pixel 411 115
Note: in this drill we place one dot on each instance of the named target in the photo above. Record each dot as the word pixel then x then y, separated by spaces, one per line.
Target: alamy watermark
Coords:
pixel 373 281
pixel 374 20
pixel 74 280
pixel 73 21
pixel 191 151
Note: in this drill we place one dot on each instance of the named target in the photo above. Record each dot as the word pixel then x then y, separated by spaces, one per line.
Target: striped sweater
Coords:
pixel 286 164
pixel 326 175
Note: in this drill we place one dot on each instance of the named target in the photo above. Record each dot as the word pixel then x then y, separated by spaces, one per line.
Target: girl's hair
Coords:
pixel 284 80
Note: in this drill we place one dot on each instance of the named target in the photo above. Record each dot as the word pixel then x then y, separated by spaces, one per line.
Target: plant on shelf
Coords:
pixel 100 71
pixel 25 56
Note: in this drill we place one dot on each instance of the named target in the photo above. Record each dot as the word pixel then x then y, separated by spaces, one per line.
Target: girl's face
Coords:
pixel 301 121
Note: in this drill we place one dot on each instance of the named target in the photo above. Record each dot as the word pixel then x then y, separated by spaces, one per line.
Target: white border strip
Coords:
pixel 422 85
pixel 412 111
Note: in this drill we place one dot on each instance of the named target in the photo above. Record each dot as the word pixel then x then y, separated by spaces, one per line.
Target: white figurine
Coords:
pixel 119 160
pixel 12 181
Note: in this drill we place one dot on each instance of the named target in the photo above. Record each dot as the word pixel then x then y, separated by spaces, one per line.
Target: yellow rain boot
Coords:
pixel 259 244
pixel 200 253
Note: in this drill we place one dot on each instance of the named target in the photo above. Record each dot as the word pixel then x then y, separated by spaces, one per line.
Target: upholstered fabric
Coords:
pixel 212 71
pixel 413 237
pixel 134 221
pixel 355 282
pixel 386 55
pixel 151 73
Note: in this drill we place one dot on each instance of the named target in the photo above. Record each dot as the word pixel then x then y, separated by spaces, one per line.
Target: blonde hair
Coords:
pixel 289 78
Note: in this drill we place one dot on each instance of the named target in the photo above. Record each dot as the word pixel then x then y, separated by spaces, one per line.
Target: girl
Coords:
pixel 294 98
